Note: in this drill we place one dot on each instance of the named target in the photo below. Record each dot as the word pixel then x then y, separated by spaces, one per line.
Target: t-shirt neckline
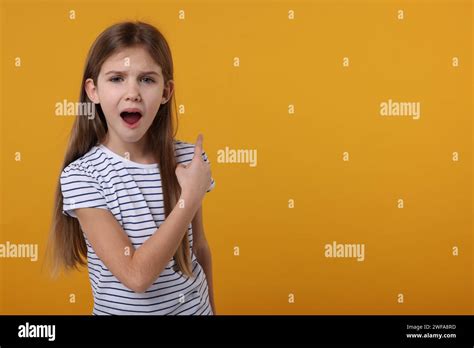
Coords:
pixel 127 161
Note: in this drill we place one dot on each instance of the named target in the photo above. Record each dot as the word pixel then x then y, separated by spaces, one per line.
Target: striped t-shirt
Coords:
pixel 132 193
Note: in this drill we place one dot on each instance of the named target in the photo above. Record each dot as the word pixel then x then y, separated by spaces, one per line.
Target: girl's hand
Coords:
pixel 195 177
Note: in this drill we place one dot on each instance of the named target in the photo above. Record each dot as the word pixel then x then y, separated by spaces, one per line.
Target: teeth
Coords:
pixel 125 113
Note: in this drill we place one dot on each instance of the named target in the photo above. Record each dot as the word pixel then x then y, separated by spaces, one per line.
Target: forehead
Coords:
pixel 131 59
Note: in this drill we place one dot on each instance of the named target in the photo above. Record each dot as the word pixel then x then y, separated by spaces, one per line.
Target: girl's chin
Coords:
pixel 130 135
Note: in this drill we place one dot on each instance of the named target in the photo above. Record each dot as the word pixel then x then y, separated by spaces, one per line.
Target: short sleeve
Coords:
pixel 213 183
pixel 80 190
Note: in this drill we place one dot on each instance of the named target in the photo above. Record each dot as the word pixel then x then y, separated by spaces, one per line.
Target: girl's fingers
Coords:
pixel 198 146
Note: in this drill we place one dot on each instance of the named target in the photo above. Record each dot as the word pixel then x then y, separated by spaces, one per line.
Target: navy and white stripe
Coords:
pixel 132 192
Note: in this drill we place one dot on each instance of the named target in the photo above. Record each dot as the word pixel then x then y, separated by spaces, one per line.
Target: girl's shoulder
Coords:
pixel 86 163
pixel 180 145
pixel 184 147
pixel 184 152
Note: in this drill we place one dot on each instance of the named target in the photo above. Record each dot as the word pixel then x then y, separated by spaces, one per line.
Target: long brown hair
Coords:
pixel 66 246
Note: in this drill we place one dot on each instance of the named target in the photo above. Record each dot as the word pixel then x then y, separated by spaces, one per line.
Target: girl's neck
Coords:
pixel 136 152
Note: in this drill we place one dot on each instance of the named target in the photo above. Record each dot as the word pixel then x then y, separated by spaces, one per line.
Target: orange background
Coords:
pixel 282 62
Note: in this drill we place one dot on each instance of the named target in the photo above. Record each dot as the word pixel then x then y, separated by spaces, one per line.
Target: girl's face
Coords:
pixel 130 89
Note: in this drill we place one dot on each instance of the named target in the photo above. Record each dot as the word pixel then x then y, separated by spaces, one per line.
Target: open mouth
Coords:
pixel 131 116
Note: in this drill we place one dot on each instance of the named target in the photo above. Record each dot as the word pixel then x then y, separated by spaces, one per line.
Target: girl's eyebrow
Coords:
pixel 125 72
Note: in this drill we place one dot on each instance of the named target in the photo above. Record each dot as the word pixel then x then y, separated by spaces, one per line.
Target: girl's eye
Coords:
pixel 116 79
pixel 147 79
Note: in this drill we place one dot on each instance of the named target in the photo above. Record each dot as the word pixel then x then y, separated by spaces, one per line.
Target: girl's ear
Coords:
pixel 91 91
pixel 167 92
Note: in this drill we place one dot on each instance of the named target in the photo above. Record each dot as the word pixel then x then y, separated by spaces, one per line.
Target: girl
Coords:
pixel 129 195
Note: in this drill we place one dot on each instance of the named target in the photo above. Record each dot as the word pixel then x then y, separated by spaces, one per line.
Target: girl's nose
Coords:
pixel 133 92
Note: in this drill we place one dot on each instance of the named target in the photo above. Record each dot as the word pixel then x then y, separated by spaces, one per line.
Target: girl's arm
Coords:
pixel 203 253
pixel 138 269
